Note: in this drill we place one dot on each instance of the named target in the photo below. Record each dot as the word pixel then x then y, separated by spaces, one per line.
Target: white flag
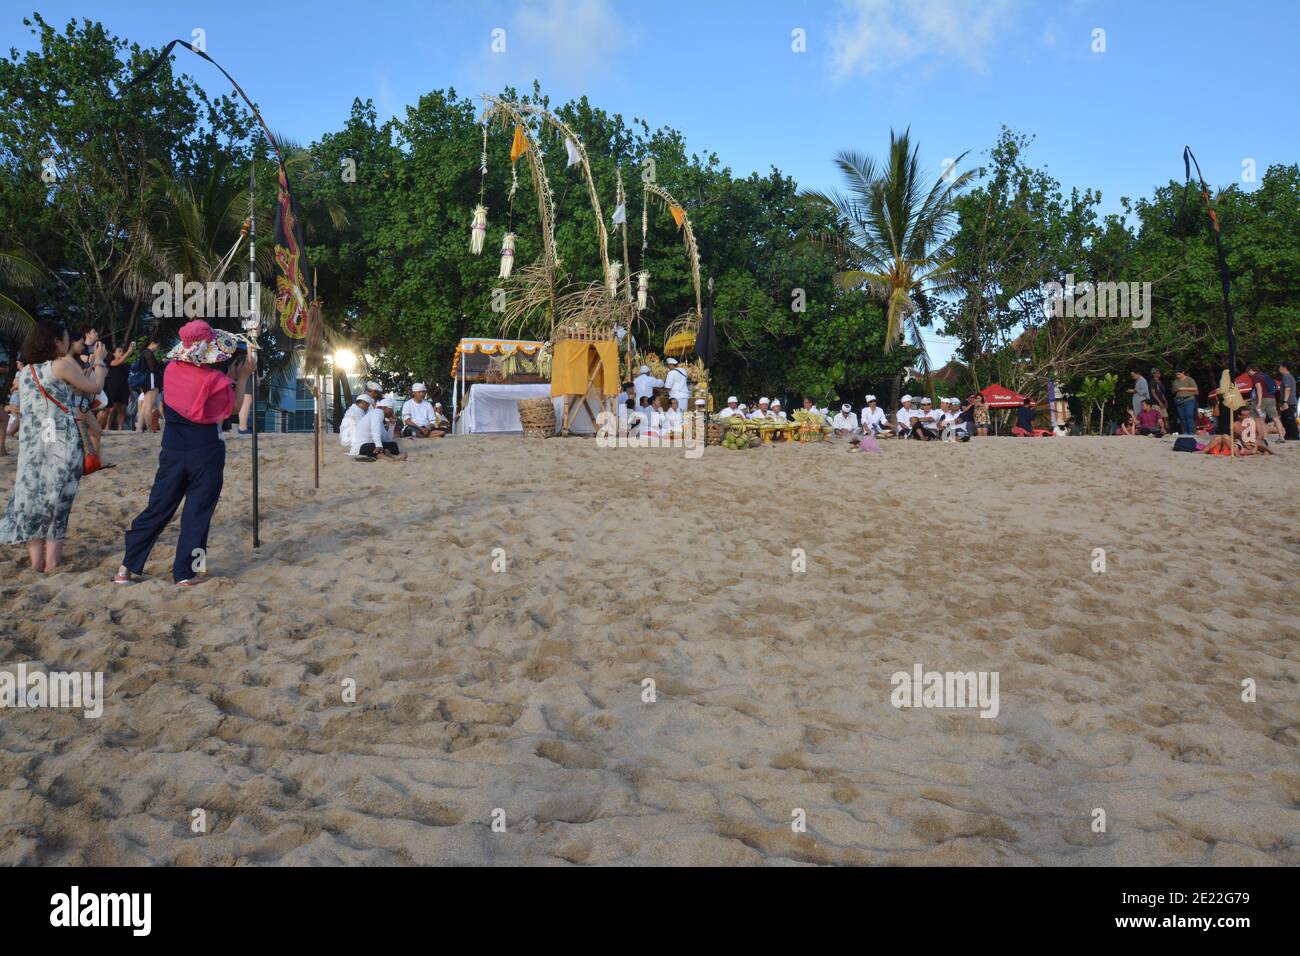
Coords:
pixel 620 214
pixel 572 148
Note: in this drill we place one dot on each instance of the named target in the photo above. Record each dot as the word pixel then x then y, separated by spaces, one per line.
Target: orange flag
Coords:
pixel 679 214
pixel 520 144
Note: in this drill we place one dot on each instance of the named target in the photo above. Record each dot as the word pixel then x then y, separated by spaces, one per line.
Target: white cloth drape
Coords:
pixel 493 409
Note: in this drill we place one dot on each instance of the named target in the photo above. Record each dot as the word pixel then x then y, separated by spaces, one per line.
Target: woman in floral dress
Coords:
pixel 50 451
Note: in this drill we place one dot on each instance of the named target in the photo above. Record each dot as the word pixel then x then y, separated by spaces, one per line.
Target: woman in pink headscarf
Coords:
pixel 203 374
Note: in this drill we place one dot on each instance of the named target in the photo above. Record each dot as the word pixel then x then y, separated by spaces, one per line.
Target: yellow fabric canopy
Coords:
pixel 572 362
pixel 491 347
pixel 680 344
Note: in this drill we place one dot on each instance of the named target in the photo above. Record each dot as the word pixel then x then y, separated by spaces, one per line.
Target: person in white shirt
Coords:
pixel 672 420
pixel 775 411
pixel 733 408
pixel 440 421
pixel 644 384
pixel 417 414
pixel 954 429
pixel 903 417
pixel 928 421
pixel 873 420
pixel 652 419
pixel 356 411
pixel 845 423
pixel 677 383
pixel 370 439
pixel 764 406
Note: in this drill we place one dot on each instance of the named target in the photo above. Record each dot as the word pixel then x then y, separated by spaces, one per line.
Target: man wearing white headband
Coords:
pixel 903 417
pixel 417 414
pixel 775 411
pixel 356 411
pixel 845 423
pixel 733 408
pixel 873 420
pixel 371 439
pixel 644 384
pixel 928 420
pixel 762 411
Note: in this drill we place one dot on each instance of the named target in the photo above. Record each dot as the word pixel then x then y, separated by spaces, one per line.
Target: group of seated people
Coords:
pixel 652 416
pixel 917 419
pixel 953 420
pixel 370 427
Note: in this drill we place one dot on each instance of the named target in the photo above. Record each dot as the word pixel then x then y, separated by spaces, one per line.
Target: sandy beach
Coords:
pixel 521 690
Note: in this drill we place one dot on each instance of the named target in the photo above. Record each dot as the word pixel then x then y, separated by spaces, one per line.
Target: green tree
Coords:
pixel 79 152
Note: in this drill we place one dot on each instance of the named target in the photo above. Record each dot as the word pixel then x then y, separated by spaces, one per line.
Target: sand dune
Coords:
pixel 522 690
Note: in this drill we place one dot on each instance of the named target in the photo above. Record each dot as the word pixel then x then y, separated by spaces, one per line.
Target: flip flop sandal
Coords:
pixel 123 579
pixel 191 582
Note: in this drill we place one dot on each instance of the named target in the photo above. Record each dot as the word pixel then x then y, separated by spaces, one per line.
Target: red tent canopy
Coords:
pixel 999 396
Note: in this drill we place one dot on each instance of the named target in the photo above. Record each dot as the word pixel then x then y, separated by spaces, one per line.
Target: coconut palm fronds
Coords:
pixel 17 272
pixel 529 302
pixel 589 309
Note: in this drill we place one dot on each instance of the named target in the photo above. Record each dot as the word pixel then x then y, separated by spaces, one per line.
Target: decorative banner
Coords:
pixel 620 214
pixel 294 290
pixel 706 340
pixel 679 214
pixel 519 145
pixel 572 149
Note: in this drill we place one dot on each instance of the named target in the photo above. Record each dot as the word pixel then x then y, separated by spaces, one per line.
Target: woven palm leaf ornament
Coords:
pixel 643 279
pixel 1229 394
pixel 478 228
pixel 518 148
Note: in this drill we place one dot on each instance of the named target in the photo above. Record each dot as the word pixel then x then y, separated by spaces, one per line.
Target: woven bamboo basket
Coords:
pixel 714 432
pixel 537 415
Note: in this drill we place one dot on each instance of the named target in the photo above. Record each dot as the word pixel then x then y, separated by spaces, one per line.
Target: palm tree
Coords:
pixel 17 272
pixel 893 233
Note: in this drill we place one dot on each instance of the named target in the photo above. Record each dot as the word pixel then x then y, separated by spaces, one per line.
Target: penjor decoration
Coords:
pixel 611 279
pixel 642 288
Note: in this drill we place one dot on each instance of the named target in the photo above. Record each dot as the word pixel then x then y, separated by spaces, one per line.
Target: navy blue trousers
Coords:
pixel 195 475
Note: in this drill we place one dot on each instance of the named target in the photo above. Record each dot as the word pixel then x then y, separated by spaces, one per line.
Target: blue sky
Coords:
pixel 1221 76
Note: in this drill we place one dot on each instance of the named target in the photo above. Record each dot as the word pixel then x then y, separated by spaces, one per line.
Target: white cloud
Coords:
pixel 875 35
pixel 571 39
